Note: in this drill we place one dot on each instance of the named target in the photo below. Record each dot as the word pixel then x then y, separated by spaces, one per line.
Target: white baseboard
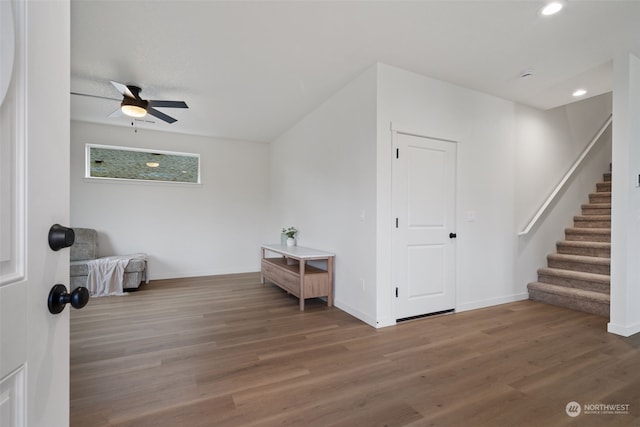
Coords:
pixel 184 274
pixel 474 305
pixel 355 313
pixel 625 331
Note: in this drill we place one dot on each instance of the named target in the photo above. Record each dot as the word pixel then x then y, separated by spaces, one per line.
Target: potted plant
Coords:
pixel 290 232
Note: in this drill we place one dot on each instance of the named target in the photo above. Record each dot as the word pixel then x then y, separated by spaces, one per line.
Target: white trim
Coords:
pixel 490 302
pixel 356 313
pixel 14 270
pixel 203 273
pixel 15 395
pixel 124 181
pixel 393 246
pixel 402 132
pixel 625 331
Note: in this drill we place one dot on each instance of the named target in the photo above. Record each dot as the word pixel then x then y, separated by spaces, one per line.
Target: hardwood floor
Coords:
pixel 227 351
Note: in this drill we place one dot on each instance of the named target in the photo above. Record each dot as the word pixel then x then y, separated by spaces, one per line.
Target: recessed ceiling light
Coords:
pixel 552 8
pixel 579 92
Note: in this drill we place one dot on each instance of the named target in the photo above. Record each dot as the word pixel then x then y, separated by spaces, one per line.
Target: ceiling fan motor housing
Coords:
pixel 142 103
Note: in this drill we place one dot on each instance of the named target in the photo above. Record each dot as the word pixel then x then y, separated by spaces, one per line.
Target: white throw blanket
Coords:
pixel 106 275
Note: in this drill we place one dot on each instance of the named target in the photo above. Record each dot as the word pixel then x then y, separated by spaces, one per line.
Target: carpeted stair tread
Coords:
pixel 576 299
pixel 580 275
pixel 578 247
pixel 563 290
pixel 596 209
pixel 592 221
pixel 580 258
pixel 601 197
pixel 588 230
pixel 575 279
pixel 588 234
pixel 582 263
pixel 602 217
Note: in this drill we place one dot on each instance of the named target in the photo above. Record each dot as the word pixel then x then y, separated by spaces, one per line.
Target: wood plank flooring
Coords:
pixel 227 351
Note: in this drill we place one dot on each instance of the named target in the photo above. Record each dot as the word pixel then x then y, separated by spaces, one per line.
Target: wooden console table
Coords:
pixel 298 277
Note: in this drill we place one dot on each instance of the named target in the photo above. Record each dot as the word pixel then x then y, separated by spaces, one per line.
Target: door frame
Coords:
pixel 392 152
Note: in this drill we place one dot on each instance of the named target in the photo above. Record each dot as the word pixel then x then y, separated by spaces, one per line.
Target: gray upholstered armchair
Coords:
pixel 85 248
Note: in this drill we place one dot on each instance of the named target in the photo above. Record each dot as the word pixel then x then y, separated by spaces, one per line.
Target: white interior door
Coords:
pixel 424 172
pixel 34 190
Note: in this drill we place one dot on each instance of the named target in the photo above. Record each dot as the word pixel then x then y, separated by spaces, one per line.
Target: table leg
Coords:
pixel 330 271
pixel 261 258
pixel 302 263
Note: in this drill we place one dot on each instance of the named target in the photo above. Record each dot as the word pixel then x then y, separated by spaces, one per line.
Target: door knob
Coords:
pixel 59 298
pixel 60 237
pixel 452 235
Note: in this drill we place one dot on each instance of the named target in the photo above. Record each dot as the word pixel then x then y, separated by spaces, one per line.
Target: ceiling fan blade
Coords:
pixel 123 89
pixel 116 113
pixel 168 104
pixel 160 115
pixel 94 96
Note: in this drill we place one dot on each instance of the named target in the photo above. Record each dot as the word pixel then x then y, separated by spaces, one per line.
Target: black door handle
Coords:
pixel 452 235
pixel 60 237
pixel 59 298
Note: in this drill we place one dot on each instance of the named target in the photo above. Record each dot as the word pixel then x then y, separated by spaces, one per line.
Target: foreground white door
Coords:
pixel 34 190
pixel 424 172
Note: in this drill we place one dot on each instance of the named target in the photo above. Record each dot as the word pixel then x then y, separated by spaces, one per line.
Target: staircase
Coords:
pixel 577 275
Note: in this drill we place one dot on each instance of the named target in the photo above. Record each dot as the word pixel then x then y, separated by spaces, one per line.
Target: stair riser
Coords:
pixel 574 283
pixel 580 236
pixel 606 177
pixel 579 266
pixel 573 303
pixel 591 223
pixel 603 186
pixel 596 210
pixel 600 198
pixel 586 251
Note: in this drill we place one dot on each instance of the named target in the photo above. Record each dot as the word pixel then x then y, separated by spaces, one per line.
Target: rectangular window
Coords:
pixel 108 162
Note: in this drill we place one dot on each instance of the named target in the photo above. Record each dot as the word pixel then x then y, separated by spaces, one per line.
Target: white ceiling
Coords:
pixel 250 70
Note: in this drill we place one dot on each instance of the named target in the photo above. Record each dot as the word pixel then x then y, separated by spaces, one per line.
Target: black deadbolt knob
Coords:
pixel 61 237
pixel 59 298
pixel 79 297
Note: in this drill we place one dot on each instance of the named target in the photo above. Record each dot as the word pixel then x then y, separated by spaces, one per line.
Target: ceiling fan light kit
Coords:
pixel 134 107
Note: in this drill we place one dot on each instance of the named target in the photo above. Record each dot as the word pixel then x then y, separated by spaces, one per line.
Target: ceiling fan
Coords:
pixel 133 105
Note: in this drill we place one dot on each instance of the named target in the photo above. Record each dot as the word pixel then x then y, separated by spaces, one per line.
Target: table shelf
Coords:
pixel 298 277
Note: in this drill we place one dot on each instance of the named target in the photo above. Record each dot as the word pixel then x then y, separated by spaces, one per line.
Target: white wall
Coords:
pixel 323 177
pixel 187 230
pixel 625 204
pixel 484 127
pixel 548 143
